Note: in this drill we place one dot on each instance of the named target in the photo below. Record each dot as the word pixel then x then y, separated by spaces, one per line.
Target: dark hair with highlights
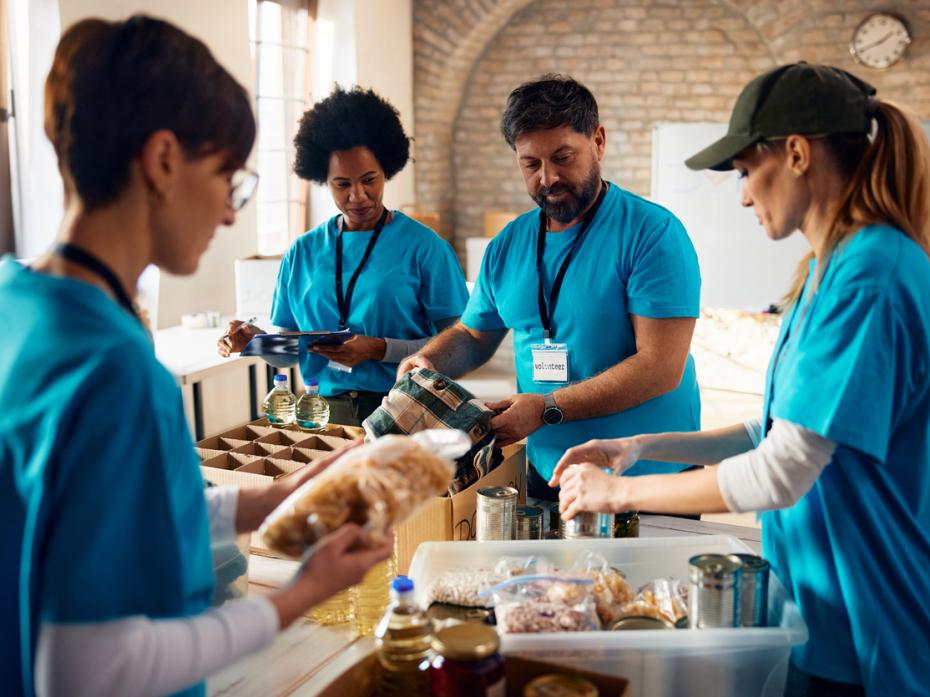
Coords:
pixel 551 101
pixel 346 120
pixel 113 84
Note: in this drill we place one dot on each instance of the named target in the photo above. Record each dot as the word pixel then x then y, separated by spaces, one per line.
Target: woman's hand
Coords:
pixel 618 454
pixel 587 487
pixel 356 350
pixel 237 335
pixel 335 563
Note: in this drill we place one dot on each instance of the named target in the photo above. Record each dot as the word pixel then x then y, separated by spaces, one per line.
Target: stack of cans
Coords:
pixel 529 523
pixel 496 513
pixel 727 590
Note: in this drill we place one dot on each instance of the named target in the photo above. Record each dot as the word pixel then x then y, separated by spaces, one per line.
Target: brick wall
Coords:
pixel 646 62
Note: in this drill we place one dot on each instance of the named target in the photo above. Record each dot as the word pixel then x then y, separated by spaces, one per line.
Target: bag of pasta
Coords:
pixel 542 604
pixel 662 598
pixel 610 590
pixel 377 486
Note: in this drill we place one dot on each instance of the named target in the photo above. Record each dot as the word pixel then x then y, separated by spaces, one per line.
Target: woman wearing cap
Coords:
pixel 106 546
pixel 371 270
pixel 840 460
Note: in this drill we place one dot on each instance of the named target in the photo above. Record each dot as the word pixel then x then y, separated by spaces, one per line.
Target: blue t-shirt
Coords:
pixel 101 498
pixel 855 550
pixel 411 280
pixel 635 259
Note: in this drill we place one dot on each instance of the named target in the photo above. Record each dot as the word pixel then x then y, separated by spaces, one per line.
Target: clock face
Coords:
pixel 880 41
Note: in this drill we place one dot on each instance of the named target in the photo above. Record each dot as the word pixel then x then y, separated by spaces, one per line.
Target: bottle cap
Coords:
pixel 402 584
pixel 280 378
pixel 312 383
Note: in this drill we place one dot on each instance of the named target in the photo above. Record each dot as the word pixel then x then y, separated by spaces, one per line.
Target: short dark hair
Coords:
pixel 113 84
pixel 551 101
pixel 346 120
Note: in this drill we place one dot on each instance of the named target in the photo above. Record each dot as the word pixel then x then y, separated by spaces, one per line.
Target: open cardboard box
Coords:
pixel 361 680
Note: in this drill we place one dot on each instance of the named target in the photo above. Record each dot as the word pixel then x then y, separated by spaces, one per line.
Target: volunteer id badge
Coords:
pixel 550 362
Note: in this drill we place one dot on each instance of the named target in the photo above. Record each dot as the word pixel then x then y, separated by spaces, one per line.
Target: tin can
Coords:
pixel 561 685
pixel 588 524
pixel 754 590
pixel 713 591
pixel 529 523
pixel 641 622
pixel 496 513
pixel 626 524
pixel 555 521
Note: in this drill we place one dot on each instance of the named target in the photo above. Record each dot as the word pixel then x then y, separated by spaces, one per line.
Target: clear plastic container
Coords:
pixel 280 404
pixel 735 661
pixel 312 409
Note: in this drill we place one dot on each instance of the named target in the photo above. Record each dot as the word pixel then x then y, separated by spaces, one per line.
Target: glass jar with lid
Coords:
pixel 467 662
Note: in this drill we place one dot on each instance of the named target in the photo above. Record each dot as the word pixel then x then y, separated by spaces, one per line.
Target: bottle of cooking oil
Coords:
pixel 372 596
pixel 339 609
pixel 280 404
pixel 312 409
pixel 404 635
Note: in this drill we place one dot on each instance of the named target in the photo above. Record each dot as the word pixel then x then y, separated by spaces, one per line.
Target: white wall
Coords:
pixel 367 43
pixel 223 26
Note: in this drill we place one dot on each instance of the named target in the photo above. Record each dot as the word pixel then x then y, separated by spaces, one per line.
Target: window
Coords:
pixel 279 39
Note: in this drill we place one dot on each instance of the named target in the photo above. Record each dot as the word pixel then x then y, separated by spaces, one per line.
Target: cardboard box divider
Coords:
pixel 263 466
pixel 308 454
pixel 246 432
pixel 222 470
pixel 286 466
pixel 222 443
pixel 259 449
pixel 334 430
pixel 206 453
pixel 315 443
pixel 281 437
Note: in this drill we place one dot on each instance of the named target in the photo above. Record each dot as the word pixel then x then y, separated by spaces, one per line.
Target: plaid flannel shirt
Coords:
pixel 424 399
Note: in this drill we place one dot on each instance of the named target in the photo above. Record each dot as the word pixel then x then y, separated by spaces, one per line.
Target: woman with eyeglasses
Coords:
pixel 840 459
pixel 106 546
pixel 370 270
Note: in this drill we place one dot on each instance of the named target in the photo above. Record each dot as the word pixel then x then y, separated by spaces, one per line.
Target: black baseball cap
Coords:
pixel 796 99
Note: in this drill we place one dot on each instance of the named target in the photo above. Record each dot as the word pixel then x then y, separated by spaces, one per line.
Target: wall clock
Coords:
pixel 880 41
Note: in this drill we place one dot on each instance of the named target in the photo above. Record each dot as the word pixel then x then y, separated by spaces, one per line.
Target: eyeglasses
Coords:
pixel 243 185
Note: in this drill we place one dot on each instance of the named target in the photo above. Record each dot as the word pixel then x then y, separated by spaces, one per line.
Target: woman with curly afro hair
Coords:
pixel 373 271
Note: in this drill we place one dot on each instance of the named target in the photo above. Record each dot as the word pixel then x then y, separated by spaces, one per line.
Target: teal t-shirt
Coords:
pixel 411 280
pixel 854 366
pixel 635 259
pixel 101 498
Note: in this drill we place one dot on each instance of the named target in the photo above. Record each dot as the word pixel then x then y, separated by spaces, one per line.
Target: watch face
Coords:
pixel 552 416
pixel 880 41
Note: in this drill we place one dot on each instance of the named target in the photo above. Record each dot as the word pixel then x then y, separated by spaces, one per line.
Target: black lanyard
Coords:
pixel 546 313
pixel 345 301
pixel 78 256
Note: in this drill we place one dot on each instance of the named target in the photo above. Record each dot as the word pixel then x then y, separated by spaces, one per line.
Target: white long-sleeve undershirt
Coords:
pixel 781 468
pixel 138 656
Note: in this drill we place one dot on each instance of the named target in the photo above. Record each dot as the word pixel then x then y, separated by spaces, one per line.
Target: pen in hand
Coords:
pixel 248 321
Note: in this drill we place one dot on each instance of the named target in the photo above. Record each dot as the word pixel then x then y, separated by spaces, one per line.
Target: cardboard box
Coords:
pixel 256 277
pixel 361 679
pixel 453 517
pixel 495 221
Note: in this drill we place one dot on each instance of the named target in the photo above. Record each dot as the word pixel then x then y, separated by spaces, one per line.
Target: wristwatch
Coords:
pixel 552 415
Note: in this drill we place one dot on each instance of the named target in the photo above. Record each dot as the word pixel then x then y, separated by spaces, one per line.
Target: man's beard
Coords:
pixel 578 199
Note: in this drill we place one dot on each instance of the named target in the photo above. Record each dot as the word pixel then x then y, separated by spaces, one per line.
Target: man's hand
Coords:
pixel 520 416
pixel 237 335
pixel 617 454
pixel 413 362
pixel 356 350
pixel 587 487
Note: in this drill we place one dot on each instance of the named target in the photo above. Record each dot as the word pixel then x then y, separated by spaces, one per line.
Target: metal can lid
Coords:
pixel 529 512
pixel 498 492
pixel 752 562
pixel 466 642
pixel 641 622
pixel 560 685
pixel 714 565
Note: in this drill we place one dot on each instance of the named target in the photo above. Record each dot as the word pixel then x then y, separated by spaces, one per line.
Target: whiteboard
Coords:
pixel 741 267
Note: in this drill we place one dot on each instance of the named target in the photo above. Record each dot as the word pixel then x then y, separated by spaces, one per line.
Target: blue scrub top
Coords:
pixel 855 550
pixel 411 280
pixel 101 499
pixel 635 259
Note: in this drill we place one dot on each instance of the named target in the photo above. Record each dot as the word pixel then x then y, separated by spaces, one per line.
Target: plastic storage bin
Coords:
pixel 673 663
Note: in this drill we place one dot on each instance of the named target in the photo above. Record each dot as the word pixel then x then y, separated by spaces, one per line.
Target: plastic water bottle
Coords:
pixel 403 637
pixel 312 409
pixel 279 405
